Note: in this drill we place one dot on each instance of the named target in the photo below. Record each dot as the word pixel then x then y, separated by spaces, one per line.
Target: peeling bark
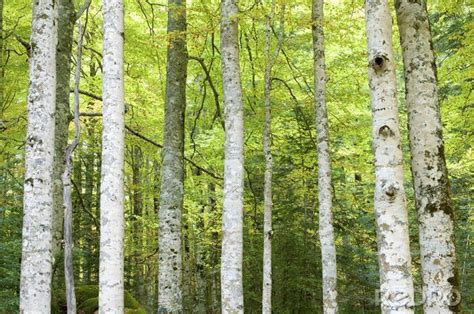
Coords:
pixel 396 284
pixel 111 285
pixel 326 230
pixel 172 172
pixel 36 262
pixel 428 165
pixel 232 295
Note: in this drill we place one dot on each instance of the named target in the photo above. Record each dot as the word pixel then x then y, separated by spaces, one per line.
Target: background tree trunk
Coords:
pixel 396 285
pixel 68 237
pixel 36 261
pixel 172 172
pixel 267 141
pixel 326 230
pixel 111 286
pixel 66 17
pixel 428 165
pixel 232 295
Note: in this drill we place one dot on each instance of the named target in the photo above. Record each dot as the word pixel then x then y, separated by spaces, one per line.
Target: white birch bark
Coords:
pixel 396 285
pixel 326 230
pixel 172 175
pixel 36 261
pixel 428 165
pixel 111 293
pixel 232 297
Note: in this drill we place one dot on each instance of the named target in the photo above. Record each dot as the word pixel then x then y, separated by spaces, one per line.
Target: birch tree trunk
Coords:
pixel 232 295
pixel 172 175
pixel 267 190
pixel 326 230
pixel 36 261
pixel 111 293
pixel 428 165
pixel 66 16
pixel 396 285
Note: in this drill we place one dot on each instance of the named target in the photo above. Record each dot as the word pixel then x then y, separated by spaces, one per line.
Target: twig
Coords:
pixel 211 85
pixel 82 9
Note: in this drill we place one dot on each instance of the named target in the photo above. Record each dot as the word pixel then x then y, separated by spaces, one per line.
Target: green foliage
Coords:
pixel 296 251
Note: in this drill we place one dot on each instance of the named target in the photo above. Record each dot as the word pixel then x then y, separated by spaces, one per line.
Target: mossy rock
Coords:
pixel 87 300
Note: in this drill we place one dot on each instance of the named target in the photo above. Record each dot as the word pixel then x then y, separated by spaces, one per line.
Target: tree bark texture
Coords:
pixel 326 230
pixel 66 16
pixel 232 296
pixel 111 285
pixel 36 261
pixel 172 172
pixel 428 165
pixel 396 285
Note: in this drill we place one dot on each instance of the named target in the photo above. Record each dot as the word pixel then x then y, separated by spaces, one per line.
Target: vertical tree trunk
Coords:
pixel 66 16
pixel 396 285
pixel 326 230
pixel 137 196
pixel 88 203
pixel 214 282
pixel 267 190
pixel 66 178
pixel 36 262
pixel 232 295
pixel 111 294
pixel 172 175
pixel 428 165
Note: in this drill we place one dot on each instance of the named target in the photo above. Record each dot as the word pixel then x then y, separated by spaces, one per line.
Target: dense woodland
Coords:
pixel 248 135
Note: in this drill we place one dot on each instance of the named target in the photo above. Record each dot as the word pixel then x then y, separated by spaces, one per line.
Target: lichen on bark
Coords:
pixel 111 282
pixel 428 165
pixel 172 172
pixel 36 261
pixel 396 284
pixel 232 216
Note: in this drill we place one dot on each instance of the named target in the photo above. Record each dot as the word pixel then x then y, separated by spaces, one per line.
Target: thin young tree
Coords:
pixel 428 165
pixel 172 171
pixel 36 261
pixel 326 230
pixel 66 178
pixel 232 294
pixel 396 284
pixel 111 286
pixel 270 59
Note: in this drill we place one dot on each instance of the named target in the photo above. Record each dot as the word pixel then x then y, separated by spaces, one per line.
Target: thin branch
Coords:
pixel 81 200
pixel 82 9
pixel 24 43
pixel 213 88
